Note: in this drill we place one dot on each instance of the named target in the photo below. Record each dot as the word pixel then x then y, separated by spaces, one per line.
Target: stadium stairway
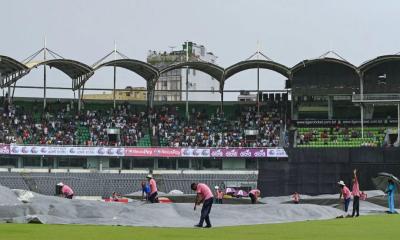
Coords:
pixel 145 141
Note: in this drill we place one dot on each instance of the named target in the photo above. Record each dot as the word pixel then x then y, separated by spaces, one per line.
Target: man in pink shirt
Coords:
pixel 66 190
pixel 296 198
pixel 220 194
pixel 345 192
pixel 356 194
pixel 254 194
pixel 153 189
pixel 205 196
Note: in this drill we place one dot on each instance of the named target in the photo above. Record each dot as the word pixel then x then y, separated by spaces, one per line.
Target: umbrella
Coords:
pixel 230 190
pixel 241 193
pixel 381 181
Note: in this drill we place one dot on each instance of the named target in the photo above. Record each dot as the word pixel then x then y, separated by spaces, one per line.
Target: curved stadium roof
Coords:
pixel 11 70
pixel 72 68
pixel 378 61
pixel 143 69
pixel 211 69
pixel 257 63
pixel 306 63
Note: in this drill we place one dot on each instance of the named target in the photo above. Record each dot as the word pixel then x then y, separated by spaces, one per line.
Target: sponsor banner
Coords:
pixel 144 152
pixel 4 149
pixel 66 151
pixel 195 152
pixel 248 152
pixel 152 152
pixel 276 153
pixel 326 122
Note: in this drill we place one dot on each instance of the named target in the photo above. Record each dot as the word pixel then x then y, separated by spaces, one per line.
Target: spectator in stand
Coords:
pixel 345 192
pixel 205 196
pixel 65 190
pixel 356 194
pixel 153 196
pixel 254 194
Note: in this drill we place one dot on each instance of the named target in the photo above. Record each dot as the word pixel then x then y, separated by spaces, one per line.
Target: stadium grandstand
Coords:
pixel 327 103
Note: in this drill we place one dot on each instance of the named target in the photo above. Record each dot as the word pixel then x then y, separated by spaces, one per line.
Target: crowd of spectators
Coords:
pixel 338 134
pixel 64 126
pixel 248 129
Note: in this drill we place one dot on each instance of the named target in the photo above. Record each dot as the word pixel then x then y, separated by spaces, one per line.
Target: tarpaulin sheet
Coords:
pixel 20 206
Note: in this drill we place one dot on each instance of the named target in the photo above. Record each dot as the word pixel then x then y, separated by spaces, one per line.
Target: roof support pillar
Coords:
pixel 9 94
pixel 44 87
pixel 187 94
pixel 221 91
pixel 79 100
pixel 361 76
pixel 150 111
pixel 258 90
pixel 114 87
pixel 222 102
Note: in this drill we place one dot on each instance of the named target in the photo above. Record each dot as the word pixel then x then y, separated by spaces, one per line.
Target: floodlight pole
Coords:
pixel 258 89
pixel 44 75
pixel 398 123
pixel 361 104
pixel 115 73
pixel 187 81
pixel 258 80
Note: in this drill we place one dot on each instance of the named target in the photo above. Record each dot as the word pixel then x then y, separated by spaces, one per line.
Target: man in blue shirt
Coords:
pixel 390 192
pixel 145 190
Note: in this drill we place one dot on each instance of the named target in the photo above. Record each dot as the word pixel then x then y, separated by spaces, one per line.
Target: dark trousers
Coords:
pixel 205 212
pixel 346 204
pixel 70 196
pixel 153 197
pixel 218 201
pixel 253 198
pixel 356 206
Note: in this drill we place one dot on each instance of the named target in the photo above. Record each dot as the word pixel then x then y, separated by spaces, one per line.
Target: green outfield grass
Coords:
pixel 368 227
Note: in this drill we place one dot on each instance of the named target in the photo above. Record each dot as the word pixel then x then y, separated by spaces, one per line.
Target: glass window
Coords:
pixel 8 161
pixel 183 163
pixel 48 162
pixel 197 164
pixel 166 163
pixel 126 163
pixel 143 163
pixel 212 163
pixel 251 163
pixel 72 162
pixel 114 163
pixel 31 162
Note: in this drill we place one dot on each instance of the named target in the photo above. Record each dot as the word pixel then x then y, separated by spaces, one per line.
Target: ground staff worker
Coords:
pixel 345 192
pixel 153 196
pixel 355 191
pixel 205 196
pixel 254 195
pixel 66 190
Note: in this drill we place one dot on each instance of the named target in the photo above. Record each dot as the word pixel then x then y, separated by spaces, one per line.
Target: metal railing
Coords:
pixel 376 98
